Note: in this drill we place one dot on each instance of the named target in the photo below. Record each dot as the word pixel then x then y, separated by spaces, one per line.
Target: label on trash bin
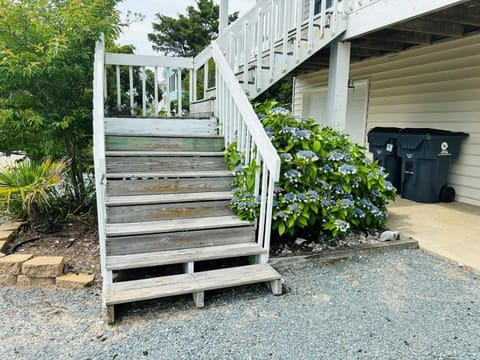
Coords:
pixel 389 147
pixel 444 149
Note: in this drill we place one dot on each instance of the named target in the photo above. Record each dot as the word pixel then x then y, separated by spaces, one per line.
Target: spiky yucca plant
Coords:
pixel 25 187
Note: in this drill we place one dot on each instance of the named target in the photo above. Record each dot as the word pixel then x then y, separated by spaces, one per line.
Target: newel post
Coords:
pixel 223 21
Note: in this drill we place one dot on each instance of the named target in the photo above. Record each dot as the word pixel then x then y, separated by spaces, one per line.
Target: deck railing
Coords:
pixel 240 124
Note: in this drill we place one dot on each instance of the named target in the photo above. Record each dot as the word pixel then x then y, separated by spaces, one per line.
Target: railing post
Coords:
pixel 179 92
pixel 223 21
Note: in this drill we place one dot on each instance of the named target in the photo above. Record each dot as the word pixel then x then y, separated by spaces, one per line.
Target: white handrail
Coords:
pixel 241 125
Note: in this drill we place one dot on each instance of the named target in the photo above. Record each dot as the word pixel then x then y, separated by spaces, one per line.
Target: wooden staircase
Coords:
pixel 167 202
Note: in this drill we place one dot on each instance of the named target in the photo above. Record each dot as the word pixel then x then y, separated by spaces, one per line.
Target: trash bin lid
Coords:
pixel 380 136
pixel 411 138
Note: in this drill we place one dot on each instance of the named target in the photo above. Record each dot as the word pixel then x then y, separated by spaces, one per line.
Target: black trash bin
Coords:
pixel 382 143
pixel 426 158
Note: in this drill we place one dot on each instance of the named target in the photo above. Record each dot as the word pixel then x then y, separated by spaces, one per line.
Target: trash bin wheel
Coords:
pixel 447 194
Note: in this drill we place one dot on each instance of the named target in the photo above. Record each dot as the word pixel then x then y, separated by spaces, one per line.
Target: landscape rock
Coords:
pixel 8 280
pixel 33 281
pixel 2 255
pixel 299 241
pixel 10 225
pixel 12 264
pixel 43 267
pixel 6 235
pixel 389 236
pixel 74 281
pixel 3 245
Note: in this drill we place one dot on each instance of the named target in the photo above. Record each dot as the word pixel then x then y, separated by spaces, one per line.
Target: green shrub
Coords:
pixel 326 181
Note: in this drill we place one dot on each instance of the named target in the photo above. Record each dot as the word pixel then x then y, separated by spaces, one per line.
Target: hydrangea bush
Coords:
pixel 326 181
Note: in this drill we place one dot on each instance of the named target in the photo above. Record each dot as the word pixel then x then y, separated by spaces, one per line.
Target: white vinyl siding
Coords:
pixel 436 86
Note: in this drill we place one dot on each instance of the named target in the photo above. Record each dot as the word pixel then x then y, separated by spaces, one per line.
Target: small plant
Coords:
pixel 26 187
pixel 326 181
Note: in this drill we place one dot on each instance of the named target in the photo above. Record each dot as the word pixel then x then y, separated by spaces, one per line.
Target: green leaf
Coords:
pixel 281 229
pixel 316 146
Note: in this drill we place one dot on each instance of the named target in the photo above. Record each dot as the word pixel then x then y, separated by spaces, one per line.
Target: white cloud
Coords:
pixel 136 33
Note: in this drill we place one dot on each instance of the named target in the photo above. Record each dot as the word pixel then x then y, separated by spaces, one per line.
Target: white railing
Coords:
pixel 240 124
pixel 276 35
pixel 150 84
pixel 354 5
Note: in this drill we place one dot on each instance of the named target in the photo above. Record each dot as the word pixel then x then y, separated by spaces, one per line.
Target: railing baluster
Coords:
pixel 119 94
pixel 311 15
pixel 132 94
pixel 167 79
pixel 205 80
pixel 263 203
pixel 258 76
pixel 271 43
pixel 298 34
pixel 323 18
pixel 155 90
pixel 286 28
pixel 245 55
pixel 144 91
pixel 179 92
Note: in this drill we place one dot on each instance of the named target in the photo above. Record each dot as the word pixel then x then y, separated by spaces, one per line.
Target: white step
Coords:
pixel 132 261
pixel 157 227
pixel 166 198
pixel 170 174
pixel 138 290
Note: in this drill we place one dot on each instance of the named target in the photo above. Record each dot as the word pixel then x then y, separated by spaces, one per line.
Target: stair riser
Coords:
pixel 121 214
pixel 129 143
pixel 164 163
pixel 168 186
pixel 179 240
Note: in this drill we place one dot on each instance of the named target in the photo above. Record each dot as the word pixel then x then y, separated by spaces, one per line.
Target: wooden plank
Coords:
pixel 154 212
pixel 148 60
pixel 147 289
pixel 144 164
pixel 169 186
pixel 180 240
pixel 432 27
pixel 164 143
pixel 133 261
pixel 167 154
pixel 166 198
pixel 170 174
pixel 161 126
pixel 156 227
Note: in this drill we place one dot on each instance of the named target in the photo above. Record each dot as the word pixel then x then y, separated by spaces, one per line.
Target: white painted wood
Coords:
pixel 131 91
pixel 186 256
pixel 166 198
pixel 119 91
pixel 198 299
pixel 128 291
pixel 162 126
pixel 155 90
pixel 147 60
pixel 384 13
pixel 143 77
pixel 167 74
pixel 338 84
pixel 154 227
pixel 223 21
pixel 179 92
pixel 99 156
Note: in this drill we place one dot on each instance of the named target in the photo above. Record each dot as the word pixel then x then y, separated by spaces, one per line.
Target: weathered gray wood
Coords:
pixel 166 198
pixel 153 212
pixel 175 174
pixel 110 314
pixel 275 286
pixel 199 299
pixel 133 261
pixel 119 142
pixel 169 154
pixel 168 186
pixel 157 227
pixel 163 163
pixel 138 290
pixel 179 240
pixel 161 126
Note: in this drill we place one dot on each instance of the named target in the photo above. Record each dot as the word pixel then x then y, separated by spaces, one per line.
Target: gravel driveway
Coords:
pixel 403 305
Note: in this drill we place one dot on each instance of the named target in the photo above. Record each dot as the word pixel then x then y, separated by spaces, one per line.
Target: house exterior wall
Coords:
pixel 435 86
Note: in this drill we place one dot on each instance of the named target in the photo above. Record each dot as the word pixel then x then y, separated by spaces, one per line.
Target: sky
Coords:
pixel 136 33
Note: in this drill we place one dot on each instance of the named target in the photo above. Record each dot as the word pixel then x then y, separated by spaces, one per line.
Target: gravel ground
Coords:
pixel 403 305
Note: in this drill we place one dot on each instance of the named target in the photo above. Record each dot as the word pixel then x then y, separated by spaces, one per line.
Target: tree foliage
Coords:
pixel 188 34
pixel 46 70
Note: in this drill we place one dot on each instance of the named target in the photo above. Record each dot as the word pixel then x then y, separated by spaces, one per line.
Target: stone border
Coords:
pixel 328 256
pixel 39 271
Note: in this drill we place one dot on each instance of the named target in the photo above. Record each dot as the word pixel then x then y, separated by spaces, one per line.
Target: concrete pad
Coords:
pixel 448 230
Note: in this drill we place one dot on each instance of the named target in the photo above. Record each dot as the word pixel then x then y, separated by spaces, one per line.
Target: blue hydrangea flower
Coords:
pixel 298 118
pixel 336 156
pixel 275 203
pixel 302 197
pixel 288 130
pixel 365 203
pixel 326 168
pixel 346 169
pixel 358 213
pixel 346 203
pixel 302 134
pixel 367 161
pixel 313 194
pixel 290 197
pixel 294 208
pixel 325 185
pixel 389 186
pixel 282 215
pixel 293 175
pixel 286 157
pixel 307 155
pixel 238 170
pixel 277 189
pixel 260 116
pixel 279 111
pixel 269 131
pixel 337 188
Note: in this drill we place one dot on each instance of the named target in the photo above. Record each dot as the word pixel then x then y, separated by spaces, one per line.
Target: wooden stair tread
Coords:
pixel 155 227
pixel 123 153
pixel 138 290
pixel 158 258
pixel 171 174
pixel 166 198
pixel 177 136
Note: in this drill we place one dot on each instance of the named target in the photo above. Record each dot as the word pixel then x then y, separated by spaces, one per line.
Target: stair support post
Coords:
pixel 338 84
